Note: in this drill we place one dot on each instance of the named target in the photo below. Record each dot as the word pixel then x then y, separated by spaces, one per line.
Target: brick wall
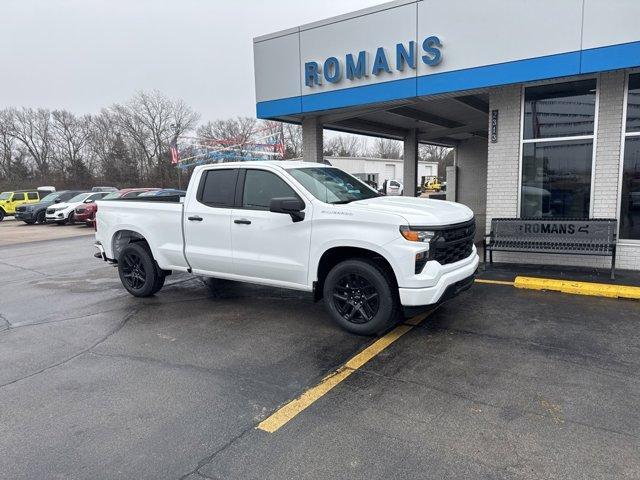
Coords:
pixel 503 160
pixel 312 140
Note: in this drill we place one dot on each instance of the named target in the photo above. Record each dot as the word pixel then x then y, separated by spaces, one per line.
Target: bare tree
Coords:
pixel 32 128
pixel 437 153
pixel 70 137
pixel 343 146
pixel 385 148
pixel 150 120
pixel 234 132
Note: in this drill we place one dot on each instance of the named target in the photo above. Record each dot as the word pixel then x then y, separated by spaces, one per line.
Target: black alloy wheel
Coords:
pixel 138 271
pixel 361 296
pixel 133 270
pixel 356 298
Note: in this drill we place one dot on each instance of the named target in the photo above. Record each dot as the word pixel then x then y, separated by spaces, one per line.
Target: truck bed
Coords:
pixel 158 219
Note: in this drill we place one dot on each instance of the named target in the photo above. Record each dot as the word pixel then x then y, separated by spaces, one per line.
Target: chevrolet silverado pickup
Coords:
pixel 297 225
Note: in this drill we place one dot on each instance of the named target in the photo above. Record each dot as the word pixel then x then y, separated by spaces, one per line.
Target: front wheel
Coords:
pixel 138 271
pixel 361 297
pixel 41 218
pixel 1 214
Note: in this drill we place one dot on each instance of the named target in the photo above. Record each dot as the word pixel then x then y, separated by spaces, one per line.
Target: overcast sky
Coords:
pixel 82 55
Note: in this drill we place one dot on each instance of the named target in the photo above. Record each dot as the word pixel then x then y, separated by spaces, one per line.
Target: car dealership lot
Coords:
pixel 14 232
pixel 499 383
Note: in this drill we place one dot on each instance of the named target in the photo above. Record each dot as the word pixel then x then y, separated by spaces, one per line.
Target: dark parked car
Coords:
pixel 36 212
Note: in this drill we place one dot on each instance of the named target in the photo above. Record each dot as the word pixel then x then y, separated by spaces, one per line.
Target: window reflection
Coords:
pixel 630 207
pixel 560 110
pixel 633 104
pixel 556 179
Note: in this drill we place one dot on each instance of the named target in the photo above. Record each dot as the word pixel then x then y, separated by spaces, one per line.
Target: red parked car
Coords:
pixel 87 211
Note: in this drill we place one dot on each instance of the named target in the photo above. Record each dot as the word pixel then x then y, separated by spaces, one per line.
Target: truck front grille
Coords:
pixel 452 243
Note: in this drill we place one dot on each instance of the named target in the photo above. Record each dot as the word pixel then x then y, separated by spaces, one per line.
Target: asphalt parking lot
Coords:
pixel 498 384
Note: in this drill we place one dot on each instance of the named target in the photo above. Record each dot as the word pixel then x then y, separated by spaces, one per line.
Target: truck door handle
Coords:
pixel 242 221
pixel 195 218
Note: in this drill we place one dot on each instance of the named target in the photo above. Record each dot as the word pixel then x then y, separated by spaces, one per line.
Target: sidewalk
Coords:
pixel 509 271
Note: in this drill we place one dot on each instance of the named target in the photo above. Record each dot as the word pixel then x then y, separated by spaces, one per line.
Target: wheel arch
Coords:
pixel 336 254
pixel 124 237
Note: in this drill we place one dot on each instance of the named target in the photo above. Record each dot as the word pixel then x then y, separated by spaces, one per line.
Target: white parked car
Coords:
pixel 297 225
pixel 62 213
pixel 394 188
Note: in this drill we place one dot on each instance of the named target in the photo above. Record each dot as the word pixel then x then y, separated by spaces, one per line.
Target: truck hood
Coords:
pixel 418 211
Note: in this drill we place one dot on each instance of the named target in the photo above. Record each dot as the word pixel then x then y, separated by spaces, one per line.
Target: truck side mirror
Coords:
pixel 290 205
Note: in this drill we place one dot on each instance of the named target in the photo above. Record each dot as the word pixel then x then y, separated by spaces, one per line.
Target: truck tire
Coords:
pixel 138 271
pixel 361 297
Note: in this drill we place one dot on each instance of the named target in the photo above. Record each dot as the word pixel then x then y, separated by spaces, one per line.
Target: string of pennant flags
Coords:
pixel 195 150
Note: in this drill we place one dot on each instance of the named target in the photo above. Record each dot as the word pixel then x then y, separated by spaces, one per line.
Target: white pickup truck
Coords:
pixel 296 225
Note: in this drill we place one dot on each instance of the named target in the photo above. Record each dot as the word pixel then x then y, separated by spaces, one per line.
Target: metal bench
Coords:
pixel 568 236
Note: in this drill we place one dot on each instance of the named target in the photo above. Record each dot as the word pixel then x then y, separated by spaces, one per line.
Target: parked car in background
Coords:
pixel 9 201
pixel 86 212
pixel 165 192
pixel 104 189
pixel 391 187
pixel 64 212
pixel 36 212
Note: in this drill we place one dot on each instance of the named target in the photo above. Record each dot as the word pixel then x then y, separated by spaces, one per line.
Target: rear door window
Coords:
pixel 218 187
pixel 18 196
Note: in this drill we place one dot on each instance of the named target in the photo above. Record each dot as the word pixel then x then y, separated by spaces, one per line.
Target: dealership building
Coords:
pixel 540 99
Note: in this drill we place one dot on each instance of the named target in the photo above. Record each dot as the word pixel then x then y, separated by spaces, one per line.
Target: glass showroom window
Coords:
pixel 630 198
pixel 557 149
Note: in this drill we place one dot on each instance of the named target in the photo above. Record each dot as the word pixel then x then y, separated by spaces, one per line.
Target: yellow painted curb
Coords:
pixel 578 288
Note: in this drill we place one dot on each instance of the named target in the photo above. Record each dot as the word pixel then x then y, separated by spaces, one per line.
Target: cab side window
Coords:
pixel 218 187
pixel 32 195
pixel 18 196
pixel 260 186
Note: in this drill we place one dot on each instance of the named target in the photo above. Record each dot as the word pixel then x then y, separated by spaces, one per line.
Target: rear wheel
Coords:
pixel 361 297
pixel 138 271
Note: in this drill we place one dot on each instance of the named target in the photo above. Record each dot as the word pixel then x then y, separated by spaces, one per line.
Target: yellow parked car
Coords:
pixel 10 200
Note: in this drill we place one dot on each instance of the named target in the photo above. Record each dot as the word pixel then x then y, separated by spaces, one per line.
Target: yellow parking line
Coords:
pixel 493 282
pixel 288 411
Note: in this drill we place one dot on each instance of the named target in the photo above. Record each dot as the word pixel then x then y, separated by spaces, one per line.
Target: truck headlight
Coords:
pixel 416 234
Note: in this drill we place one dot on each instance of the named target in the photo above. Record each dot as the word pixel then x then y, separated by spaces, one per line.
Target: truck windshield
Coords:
pixel 332 185
pixel 5 195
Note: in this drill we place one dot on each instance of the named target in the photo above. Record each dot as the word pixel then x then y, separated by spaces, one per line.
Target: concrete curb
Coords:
pixel 578 288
